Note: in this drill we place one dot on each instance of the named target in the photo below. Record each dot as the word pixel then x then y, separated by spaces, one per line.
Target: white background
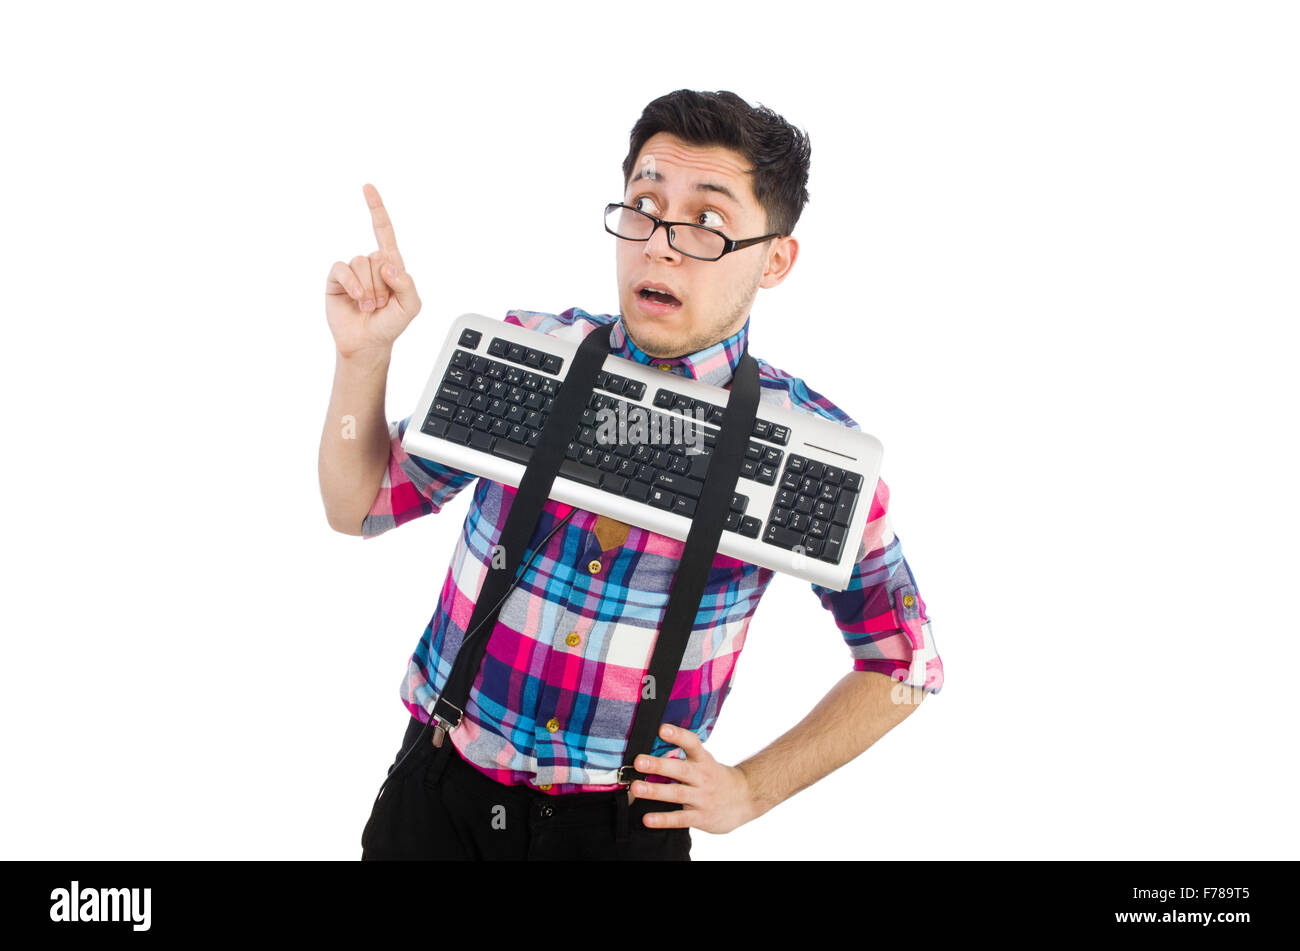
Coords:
pixel 1049 260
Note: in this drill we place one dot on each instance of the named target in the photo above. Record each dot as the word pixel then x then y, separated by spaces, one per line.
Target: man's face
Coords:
pixel 715 296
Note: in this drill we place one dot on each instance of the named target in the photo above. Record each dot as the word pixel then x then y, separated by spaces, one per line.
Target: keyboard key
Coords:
pixel 852 482
pixel 812 547
pixel 512 451
pixel 833 476
pixel 614 483
pixel 830 493
pixel 791 481
pixel 552 364
pixel 436 426
pixel 795 464
pixel 780 434
pixel 661 498
pixel 497 347
pixel 458 434
pixel 766 475
pixel 748 468
pixel 638 490
pixel 663 399
pixel 699 464
pixel 831 550
pixel 481 440
pixel 772 457
pixel 684 505
pixel 804 504
pixel 813 469
pixel 515 353
pixel 679 484
pixel 634 390
pixel 443 408
pixel 733 521
pixel 844 511
pixel 779 516
pixel 750 526
pixel 785 498
pixel 762 428
pixel 782 537
pixel 754 451
pixel 588 475
pixel 469 338
pixel 532 357
pixel 460 359
pixel 738 502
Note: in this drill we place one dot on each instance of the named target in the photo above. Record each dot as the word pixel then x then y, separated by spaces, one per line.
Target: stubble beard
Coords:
pixel 735 312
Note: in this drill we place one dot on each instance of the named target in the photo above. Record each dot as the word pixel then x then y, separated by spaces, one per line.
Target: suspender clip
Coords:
pixel 444 724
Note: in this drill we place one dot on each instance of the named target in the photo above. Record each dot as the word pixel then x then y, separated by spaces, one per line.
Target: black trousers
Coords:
pixel 437 806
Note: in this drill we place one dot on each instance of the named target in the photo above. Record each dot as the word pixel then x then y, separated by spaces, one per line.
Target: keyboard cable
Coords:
pixel 518 577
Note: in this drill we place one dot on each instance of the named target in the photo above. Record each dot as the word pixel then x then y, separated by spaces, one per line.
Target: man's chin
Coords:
pixel 659 335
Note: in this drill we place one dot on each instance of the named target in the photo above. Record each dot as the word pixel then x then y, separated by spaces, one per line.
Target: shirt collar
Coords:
pixel 715 365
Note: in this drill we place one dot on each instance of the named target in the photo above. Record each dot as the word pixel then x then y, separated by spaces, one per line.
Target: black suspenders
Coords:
pixel 692 571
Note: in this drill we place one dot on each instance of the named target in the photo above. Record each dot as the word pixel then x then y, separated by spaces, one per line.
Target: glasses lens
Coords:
pixel 627 223
pixel 689 239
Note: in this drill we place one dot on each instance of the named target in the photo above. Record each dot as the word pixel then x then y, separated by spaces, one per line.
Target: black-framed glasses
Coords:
pixel 694 241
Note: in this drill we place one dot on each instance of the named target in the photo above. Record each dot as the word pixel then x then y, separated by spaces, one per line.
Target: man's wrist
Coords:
pixel 372 358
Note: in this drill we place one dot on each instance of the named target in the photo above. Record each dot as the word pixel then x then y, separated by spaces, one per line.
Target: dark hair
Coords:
pixel 777 152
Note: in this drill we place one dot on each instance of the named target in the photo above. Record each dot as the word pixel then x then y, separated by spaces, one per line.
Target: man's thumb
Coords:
pixel 402 285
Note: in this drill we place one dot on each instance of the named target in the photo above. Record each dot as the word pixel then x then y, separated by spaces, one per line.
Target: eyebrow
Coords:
pixel 700 187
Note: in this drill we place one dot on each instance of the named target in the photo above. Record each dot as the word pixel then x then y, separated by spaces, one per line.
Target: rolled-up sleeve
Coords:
pixel 411 486
pixel 881 613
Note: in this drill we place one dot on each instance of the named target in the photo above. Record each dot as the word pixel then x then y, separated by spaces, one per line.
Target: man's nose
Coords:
pixel 657 246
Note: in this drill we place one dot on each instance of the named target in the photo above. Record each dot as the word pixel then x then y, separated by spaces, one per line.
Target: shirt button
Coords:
pixel 552 724
pixel 594 565
pixel 544 787
pixel 908 600
pixel 573 639
pixel 665 366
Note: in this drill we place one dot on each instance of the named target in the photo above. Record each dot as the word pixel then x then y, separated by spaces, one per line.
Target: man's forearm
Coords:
pixel 859 710
pixel 354 444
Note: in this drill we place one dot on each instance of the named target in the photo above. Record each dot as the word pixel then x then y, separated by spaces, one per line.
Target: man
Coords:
pixel 551 709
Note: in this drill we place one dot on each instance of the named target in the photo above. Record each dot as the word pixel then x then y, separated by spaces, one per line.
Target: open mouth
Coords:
pixel 659 299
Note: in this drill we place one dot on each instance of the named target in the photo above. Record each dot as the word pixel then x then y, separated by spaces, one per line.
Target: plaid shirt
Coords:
pixel 552 704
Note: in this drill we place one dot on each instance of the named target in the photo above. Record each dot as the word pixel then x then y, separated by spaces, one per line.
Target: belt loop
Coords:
pixel 441 756
pixel 621 810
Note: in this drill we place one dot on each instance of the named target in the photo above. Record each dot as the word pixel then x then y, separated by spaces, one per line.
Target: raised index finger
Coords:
pixel 379 218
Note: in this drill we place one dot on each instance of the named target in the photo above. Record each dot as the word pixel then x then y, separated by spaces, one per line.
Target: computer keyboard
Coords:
pixel 643 446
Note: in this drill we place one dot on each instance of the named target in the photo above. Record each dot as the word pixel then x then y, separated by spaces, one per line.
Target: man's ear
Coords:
pixel 780 260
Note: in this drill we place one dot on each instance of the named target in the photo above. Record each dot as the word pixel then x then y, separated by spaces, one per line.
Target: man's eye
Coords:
pixel 716 223
pixel 636 203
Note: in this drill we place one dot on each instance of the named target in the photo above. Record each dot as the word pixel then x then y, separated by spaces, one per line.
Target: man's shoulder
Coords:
pixel 791 392
pixel 574 323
